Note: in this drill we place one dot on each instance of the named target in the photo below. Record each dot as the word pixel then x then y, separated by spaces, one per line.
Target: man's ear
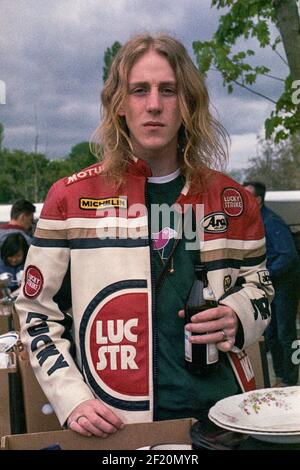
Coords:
pixel 21 218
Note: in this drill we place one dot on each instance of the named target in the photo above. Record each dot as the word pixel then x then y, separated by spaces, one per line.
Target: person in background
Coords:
pixel 13 255
pixel 129 272
pixel 21 220
pixel 283 266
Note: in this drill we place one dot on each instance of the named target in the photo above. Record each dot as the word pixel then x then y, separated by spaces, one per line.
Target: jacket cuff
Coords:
pixel 253 322
pixel 65 408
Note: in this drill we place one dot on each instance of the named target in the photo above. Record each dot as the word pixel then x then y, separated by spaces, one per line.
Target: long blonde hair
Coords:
pixel 202 140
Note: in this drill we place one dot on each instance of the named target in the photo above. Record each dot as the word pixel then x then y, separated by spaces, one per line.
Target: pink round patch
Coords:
pixel 233 204
pixel 33 282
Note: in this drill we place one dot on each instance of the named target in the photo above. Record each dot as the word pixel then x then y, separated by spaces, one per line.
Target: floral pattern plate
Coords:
pixel 271 411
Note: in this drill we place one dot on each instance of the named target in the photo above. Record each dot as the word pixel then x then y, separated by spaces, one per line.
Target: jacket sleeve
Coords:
pixel 45 329
pixel 282 254
pixel 252 293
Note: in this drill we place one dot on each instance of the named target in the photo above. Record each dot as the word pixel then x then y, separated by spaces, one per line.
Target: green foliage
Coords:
pixel 22 175
pixel 30 175
pixel 285 119
pixel 246 20
pixel 80 157
pixel 276 165
pixel 109 56
pixel 1 135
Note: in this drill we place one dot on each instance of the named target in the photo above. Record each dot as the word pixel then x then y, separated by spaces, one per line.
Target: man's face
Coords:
pixel 151 106
pixel 26 220
pixel 16 259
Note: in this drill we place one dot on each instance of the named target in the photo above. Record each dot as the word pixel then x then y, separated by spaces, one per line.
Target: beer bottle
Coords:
pixel 199 358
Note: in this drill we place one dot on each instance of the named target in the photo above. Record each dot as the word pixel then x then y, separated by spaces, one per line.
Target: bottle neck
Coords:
pixel 201 274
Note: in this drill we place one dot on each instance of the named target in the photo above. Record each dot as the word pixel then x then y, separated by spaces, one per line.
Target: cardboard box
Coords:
pixel 5 324
pixel 5 427
pixel 34 400
pixel 16 321
pixel 10 399
pixel 131 437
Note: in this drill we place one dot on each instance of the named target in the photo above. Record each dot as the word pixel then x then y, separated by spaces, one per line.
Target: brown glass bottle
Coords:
pixel 200 359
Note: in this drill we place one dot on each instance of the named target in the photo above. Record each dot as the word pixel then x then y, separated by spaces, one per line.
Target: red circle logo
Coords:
pixel 233 204
pixel 118 344
pixel 33 282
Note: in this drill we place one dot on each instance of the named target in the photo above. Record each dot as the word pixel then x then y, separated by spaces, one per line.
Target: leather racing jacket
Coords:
pixel 98 238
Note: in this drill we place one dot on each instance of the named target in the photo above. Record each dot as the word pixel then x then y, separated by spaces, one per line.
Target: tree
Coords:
pixel 251 19
pixel 22 175
pixel 276 164
pixel 109 56
pixel 80 157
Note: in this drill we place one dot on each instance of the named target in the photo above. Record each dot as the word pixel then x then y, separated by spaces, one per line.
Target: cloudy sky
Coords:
pixel 51 59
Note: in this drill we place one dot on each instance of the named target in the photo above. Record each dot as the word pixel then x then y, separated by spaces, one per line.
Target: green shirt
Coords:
pixel 179 393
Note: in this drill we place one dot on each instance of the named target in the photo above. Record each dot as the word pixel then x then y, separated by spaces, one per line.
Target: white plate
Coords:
pixel 271 410
pixel 8 340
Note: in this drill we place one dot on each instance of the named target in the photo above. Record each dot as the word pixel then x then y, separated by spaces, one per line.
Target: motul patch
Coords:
pixel 233 203
pixel 84 174
pixel 33 282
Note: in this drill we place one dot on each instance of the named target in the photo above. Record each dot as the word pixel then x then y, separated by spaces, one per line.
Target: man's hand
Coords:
pixel 92 417
pixel 220 325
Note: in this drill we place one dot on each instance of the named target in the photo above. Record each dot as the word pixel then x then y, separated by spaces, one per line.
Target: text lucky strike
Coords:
pixel 111 352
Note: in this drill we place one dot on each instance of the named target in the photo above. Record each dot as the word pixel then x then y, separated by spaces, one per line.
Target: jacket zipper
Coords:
pixel 154 319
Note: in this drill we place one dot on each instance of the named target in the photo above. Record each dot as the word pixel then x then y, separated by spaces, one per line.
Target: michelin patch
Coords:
pixel 232 201
pixel 88 203
pixel 33 282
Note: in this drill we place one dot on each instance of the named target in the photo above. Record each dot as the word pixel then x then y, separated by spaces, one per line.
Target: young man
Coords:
pixel 97 234
pixel 21 220
pixel 283 266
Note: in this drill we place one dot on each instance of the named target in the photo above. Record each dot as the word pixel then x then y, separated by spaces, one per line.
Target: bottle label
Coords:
pixel 187 346
pixel 212 353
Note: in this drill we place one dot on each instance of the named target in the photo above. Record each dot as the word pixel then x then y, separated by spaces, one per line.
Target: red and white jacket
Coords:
pixel 98 239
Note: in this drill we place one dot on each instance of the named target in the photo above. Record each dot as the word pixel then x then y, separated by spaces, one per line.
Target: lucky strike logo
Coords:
pixel 112 353
pixel 33 282
pixel 233 204
pixel 118 344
